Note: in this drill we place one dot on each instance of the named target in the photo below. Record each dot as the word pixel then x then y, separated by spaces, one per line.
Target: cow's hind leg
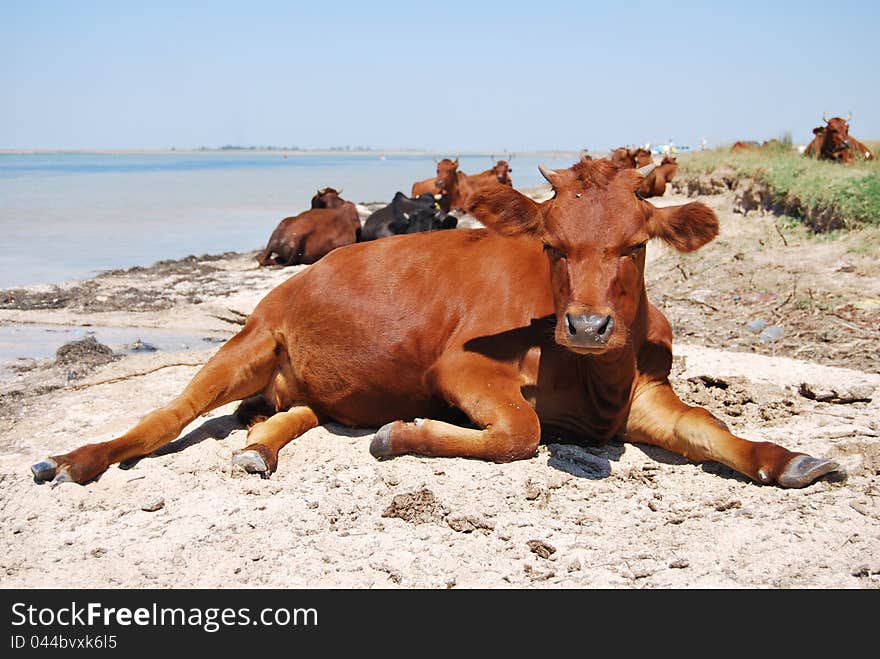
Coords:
pixel 241 368
pixel 268 437
pixel 489 393
pixel 660 418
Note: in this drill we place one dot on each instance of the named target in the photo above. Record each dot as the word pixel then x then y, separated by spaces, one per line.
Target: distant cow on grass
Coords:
pixel 833 142
pixel 302 239
pixel 543 322
pixel 407 215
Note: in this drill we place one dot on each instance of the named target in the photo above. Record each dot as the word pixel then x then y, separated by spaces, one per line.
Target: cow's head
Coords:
pixel 502 172
pixel 835 141
pixel 594 231
pixel 623 157
pixel 327 198
pixel 447 174
pixel 642 157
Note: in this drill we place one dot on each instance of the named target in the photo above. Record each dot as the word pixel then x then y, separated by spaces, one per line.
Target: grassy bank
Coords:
pixel 799 186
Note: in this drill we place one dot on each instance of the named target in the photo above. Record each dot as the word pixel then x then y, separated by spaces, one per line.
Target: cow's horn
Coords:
pixel 585 156
pixel 848 117
pixel 824 118
pixel 647 169
pixel 548 173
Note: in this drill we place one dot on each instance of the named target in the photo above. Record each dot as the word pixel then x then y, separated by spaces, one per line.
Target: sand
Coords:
pixel 618 516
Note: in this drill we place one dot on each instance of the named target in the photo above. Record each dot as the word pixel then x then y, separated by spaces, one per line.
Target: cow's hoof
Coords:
pixel 380 447
pixel 62 477
pixel 804 469
pixel 45 470
pixel 251 461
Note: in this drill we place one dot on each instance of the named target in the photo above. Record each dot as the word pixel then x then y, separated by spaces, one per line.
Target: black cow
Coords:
pixel 407 215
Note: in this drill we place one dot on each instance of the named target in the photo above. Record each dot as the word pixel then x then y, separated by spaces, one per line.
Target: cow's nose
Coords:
pixel 589 330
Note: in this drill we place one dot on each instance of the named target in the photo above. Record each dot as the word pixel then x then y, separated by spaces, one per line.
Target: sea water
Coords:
pixel 69 216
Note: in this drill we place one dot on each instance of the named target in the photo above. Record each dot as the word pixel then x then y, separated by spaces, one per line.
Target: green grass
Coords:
pixel 800 184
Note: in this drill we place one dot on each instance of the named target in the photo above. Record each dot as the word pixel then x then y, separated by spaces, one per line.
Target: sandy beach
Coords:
pixel 621 515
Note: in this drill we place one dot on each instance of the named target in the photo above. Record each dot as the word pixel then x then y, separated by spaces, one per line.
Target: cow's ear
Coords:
pixel 686 227
pixel 505 210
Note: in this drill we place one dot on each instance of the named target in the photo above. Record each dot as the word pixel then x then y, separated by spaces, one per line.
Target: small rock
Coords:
pixel 158 504
pixel 97 552
pixel 756 326
pixel 18 528
pixel 679 564
pixel 311 504
pixel 140 346
pixel 533 490
pixel 829 394
pixel 541 548
pixel 771 333
pixel 469 523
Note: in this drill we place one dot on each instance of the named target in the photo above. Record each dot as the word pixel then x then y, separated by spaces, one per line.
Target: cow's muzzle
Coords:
pixel 588 330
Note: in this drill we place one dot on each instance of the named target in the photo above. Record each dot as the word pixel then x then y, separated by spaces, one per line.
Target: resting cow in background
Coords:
pixel 328 198
pixel 833 142
pixel 428 186
pixel 655 181
pixel 469 184
pixel 306 237
pixel 499 173
pixel 406 215
pixel 631 158
pixel 744 146
pixel 623 158
pixel 445 184
pixel 543 322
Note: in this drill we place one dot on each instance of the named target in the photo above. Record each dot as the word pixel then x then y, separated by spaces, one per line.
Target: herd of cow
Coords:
pixel 466 343
pixel 830 142
pixel 332 222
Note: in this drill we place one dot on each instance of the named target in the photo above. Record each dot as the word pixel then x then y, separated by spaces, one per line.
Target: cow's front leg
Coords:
pixel 660 418
pixel 489 393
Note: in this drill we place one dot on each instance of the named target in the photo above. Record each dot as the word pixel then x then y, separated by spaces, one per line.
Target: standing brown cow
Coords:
pixel 330 223
pixel 833 142
pixel 543 322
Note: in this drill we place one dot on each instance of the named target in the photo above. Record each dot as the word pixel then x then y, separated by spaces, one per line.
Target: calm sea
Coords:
pixel 69 216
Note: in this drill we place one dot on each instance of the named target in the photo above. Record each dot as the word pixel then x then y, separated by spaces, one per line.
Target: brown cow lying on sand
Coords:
pixel 833 142
pixel 543 321
pixel 330 223
pixel 444 185
pixel 631 158
pixel 655 182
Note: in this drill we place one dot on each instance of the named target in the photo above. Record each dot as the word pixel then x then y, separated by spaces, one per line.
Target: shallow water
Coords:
pixel 18 342
pixel 69 216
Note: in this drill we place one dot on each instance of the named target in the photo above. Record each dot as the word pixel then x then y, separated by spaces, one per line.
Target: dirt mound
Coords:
pixel 419 507
pixel 81 357
pixel 751 194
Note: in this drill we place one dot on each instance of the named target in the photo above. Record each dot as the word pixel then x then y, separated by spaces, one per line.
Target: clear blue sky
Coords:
pixel 445 75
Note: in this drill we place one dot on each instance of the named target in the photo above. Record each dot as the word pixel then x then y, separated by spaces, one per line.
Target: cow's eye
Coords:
pixel 554 253
pixel 635 250
pixel 639 194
